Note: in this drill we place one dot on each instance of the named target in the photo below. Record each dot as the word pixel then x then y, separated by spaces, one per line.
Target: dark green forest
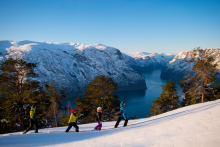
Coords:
pixel 19 91
pixel 197 85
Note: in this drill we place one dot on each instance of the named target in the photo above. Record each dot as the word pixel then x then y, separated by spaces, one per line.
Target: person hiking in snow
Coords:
pixel 32 120
pixel 121 115
pixel 99 119
pixel 72 121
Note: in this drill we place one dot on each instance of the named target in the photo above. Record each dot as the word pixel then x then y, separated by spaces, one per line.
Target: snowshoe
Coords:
pixel 96 129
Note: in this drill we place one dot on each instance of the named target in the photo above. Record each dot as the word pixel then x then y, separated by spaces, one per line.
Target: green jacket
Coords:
pixel 72 118
pixel 32 113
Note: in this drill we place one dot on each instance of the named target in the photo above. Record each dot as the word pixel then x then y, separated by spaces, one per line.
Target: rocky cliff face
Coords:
pixel 73 65
pixel 177 67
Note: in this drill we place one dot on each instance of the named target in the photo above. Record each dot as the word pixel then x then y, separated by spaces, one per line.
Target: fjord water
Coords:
pixel 138 102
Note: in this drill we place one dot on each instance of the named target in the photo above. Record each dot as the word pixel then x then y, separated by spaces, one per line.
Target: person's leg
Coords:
pixel 36 126
pixel 97 125
pixel 69 127
pixel 30 125
pixel 77 128
pixel 118 121
pixel 100 126
pixel 126 122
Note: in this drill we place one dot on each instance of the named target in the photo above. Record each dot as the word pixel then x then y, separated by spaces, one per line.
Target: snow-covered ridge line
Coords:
pixel 69 46
pixel 144 62
pixel 145 54
pixel 73 65
pixel 177 67
pixel 195 126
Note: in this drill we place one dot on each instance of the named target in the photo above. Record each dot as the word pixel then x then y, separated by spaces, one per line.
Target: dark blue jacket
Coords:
pixel 98 116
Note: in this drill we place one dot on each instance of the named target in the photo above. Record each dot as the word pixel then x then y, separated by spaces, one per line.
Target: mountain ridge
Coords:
pixel 146 62
pixel 73 65
pixel 176 68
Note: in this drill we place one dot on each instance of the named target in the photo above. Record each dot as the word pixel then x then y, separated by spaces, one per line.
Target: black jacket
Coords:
pixel 98 116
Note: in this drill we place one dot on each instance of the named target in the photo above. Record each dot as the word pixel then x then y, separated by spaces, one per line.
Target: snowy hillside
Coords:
pixel 192 126
pixel 73 65
pixel 144 62
pixel 177 67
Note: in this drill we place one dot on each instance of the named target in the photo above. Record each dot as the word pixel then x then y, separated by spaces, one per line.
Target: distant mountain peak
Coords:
pixel 145 62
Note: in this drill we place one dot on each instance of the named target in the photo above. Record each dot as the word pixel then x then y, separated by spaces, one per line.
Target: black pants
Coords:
pixel 70 126
pixel 118 121
pixel 31 123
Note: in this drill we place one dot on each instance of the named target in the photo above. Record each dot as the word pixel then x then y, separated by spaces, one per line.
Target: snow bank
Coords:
pixel 192 126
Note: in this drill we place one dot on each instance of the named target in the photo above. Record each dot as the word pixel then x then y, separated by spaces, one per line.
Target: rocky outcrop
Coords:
pixel 177 67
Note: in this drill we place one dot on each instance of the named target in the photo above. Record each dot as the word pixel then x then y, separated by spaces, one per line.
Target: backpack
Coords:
pixel 117 111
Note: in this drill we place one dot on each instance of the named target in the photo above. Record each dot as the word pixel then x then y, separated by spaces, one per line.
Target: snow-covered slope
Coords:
pixel 73 65
pixel 177 67
pixel 144 62
pixel 192 126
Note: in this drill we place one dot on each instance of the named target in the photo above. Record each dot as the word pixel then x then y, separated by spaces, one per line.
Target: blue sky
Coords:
pixel 157 26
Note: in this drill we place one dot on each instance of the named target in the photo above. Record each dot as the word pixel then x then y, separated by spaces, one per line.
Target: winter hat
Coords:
pixel 34 106
pixel 122 102
pixel 73 110
pixel 99 108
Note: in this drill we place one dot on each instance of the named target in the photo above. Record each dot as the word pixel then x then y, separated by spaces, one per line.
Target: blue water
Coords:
pixel 138 102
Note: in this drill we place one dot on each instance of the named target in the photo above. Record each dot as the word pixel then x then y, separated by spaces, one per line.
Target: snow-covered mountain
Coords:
pixel 73 65
pixel 191 126
pixel 144 62
pixel 177 67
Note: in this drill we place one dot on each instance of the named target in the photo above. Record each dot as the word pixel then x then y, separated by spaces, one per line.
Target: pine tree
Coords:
pixel 17 92
pixel 55 97
pixel 63 120
pixel 168 100
pixel 204 74
pixel 217 91
pixel 68 108
pixel 188 99
pixel 43 103
pixel 82 110
pixel 100 93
